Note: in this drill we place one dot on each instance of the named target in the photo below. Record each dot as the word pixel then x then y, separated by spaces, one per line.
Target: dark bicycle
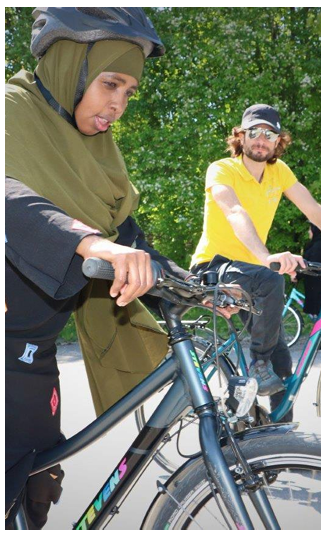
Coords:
pixel 267 476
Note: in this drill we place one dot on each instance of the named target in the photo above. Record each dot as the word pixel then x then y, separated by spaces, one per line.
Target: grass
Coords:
pixel 68 334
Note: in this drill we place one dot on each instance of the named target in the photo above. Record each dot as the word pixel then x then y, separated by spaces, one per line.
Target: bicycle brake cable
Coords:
pixel 220 286
pixel 215 301
pixel 178 441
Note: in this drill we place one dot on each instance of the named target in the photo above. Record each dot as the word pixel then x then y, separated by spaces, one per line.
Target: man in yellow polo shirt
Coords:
pixel 242 196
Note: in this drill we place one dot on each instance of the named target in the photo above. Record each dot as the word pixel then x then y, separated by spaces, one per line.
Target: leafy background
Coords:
pixel 218 62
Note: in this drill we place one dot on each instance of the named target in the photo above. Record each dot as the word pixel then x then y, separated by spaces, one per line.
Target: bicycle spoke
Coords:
pixel 290 489
pixel 311 492
pixel 215 517
pixel 216 497
pixel 267 488
pixel 182 507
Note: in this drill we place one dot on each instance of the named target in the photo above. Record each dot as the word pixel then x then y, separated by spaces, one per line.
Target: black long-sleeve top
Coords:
pixel 43 271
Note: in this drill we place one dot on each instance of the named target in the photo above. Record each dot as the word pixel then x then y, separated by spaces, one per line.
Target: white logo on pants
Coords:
pixel 27 356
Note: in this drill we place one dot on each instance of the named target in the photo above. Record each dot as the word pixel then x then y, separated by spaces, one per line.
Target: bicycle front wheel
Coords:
pixel 289 466
pixel 293 324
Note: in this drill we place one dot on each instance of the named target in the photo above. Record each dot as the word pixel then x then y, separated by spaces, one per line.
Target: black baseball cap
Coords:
pixel 261 114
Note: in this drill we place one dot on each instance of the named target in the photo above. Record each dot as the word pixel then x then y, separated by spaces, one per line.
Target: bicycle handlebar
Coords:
pixel 97 268
pixel 312 269
pixel 176 290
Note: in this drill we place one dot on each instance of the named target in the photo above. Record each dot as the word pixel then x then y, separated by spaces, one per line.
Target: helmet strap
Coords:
pixel 53 103
pixel 78 94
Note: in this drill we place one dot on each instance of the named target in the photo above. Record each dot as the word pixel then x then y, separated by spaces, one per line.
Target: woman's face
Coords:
pixel 104 102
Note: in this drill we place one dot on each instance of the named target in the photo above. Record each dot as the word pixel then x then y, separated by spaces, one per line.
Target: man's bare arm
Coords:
pixel 245 231
pixel 303 199
pixel 240 221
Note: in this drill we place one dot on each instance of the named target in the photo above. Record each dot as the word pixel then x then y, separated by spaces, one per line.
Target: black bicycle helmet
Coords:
pixel 91 24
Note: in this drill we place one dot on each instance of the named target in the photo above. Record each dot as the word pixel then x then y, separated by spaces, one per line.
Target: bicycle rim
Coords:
pixel 294 496
pixel 292 323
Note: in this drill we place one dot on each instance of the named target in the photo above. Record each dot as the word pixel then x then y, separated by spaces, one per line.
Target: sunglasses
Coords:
pixel 254 133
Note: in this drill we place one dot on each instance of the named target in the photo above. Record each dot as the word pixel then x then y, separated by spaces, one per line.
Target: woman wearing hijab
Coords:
pixel 69 197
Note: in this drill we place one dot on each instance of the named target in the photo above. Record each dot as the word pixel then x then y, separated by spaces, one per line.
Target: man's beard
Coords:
pixel 259 158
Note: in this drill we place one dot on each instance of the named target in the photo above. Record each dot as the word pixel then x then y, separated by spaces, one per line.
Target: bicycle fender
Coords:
pixel 248 434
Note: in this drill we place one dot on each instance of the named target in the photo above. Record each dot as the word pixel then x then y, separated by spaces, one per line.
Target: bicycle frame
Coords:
pixel 189 389
pixel 230 343
pixel 295 295
pixel 304 365
pixel 294 382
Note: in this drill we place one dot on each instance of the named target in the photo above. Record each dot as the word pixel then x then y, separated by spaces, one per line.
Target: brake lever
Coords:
pixel 313 273
pixel 225 300
pixel 186 289
pixel 245 306
pixel 173 289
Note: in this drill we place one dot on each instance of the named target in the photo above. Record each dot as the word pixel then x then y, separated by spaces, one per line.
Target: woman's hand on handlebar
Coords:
pixel 288 262
pixel 129 264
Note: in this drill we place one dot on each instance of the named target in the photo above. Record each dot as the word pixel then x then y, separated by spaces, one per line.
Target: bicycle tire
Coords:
pixel 293 325
pixel 140 417
pixel 292 453
pixel 318 402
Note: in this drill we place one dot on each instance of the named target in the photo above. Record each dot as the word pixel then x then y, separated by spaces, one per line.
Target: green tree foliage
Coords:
pixel 18 36
pixel 218 62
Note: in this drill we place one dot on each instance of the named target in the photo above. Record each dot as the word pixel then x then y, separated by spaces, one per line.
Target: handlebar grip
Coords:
pixel 94 267
pixel 97 268
pixel 275 267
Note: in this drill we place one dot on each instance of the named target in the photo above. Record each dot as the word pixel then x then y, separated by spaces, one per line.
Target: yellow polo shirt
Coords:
pixel 260 200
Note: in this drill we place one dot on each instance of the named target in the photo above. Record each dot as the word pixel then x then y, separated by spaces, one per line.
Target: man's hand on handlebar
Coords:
pixel 230 310
pixel 128 263
pixel 224 311
pixel 288 262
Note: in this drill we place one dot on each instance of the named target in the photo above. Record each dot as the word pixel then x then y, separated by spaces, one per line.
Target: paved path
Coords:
pixel 86 472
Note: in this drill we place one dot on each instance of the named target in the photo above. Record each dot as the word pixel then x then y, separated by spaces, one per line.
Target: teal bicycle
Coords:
pixel 292 318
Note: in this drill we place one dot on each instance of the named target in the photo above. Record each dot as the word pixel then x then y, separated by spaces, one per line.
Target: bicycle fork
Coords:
pixel 202 401
pixel 219 471
pixel 223 479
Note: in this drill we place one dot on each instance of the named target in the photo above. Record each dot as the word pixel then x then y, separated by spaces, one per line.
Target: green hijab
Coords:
pixel 86 177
